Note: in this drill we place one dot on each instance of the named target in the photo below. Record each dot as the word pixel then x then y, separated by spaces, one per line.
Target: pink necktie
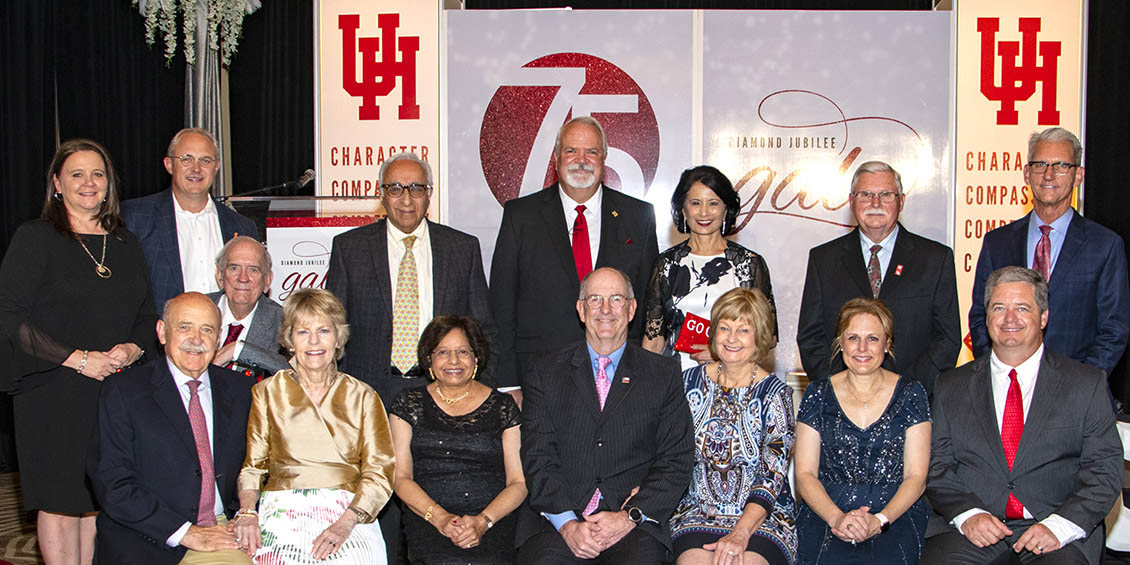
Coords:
pixel 582 253
pixel 233 334
pixel 603 384
pixel 1012 427
pixel 1042 262
pixel 206 515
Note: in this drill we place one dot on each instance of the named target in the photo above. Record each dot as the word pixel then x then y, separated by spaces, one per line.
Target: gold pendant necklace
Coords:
pixel 99 266
pixel 866 403
pixel 450 401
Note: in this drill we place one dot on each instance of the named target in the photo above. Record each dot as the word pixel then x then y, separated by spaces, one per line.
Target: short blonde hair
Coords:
pixel 312 303
pixel 747 305
pixel 855 307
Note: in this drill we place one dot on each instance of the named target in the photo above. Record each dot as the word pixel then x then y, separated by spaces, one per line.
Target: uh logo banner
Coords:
pixel 376 94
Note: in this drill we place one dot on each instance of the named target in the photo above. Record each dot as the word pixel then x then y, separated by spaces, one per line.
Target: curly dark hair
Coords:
pixel 438 329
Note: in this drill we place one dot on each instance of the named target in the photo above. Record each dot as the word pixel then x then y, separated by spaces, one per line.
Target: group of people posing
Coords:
pixel 410 412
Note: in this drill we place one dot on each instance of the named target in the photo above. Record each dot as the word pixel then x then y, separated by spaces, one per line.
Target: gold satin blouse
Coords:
pixel 344 443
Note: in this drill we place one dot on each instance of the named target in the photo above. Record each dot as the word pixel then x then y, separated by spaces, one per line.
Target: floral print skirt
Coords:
pixel 289 520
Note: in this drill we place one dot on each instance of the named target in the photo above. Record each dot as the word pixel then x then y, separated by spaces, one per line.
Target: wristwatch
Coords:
pixel 635 514
pixel 884 523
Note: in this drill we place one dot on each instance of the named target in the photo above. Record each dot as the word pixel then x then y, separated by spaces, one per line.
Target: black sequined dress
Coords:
pixel 862 467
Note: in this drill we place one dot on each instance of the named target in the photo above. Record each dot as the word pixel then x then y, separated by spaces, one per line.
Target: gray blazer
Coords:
pixel 261 340
pixel 1069 461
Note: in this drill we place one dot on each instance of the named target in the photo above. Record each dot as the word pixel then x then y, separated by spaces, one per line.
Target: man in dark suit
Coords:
pixel 601 418
pixel 546 246
pixel 912 275
pixel 183 228
pixel 1085 263
pixel 249 319
pixel 163 429
pixel 1025 461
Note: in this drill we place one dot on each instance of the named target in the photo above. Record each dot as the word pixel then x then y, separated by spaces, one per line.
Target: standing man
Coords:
pixel 250 320
pixel 183 228
pixel 602 418
pixel 550 240
pixel 1083 262
pixel 912 275
pixel 170 442
pixel 1025 457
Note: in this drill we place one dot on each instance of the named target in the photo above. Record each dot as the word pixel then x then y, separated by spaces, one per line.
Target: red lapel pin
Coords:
pixel 898 271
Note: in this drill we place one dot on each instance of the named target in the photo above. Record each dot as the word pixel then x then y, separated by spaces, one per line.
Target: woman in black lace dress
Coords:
pixel 456 443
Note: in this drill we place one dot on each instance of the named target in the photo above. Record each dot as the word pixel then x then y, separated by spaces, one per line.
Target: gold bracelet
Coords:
pixel 428 514
pixel 363 516
pixel 247 513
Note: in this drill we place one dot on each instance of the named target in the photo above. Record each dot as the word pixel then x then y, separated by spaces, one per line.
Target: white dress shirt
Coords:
pixel 1063 529
pixel 592 218
pixel 885 253
pixel 422 252
pixel 199 240
pixel 204 391
pixel 227 319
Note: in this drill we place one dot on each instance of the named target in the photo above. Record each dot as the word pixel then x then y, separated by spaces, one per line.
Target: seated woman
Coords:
pixel 739 507
pixel 457 464
pixel 323 439
pixel 862 452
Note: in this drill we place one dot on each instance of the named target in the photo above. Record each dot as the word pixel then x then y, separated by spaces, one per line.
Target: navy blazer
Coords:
pixel 533 278
pixel 1088 294
pixel 153 220
pixel 143 465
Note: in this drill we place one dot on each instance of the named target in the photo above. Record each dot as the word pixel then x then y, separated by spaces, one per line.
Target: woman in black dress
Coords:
pixel 457 463
pixel 75 306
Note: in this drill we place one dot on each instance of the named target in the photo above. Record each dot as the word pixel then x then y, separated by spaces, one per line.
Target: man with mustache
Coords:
pixel 1084 262
pixel 912 275
pixel 170 442
pixel 183 228
pixel 550 240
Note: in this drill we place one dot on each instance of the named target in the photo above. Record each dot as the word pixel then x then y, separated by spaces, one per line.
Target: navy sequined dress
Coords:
pixel 862 467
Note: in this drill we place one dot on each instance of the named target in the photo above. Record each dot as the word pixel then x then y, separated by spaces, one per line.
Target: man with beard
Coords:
pixel 550 240
pixel 912 275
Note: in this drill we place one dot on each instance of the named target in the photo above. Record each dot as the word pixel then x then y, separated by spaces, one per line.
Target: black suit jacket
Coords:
pixel 1069 461
pixel 358 275
pixel 643 438
pixel 153 220
pixel 1088 294
pixel 533 279
pixel 922 297
pixel 143 464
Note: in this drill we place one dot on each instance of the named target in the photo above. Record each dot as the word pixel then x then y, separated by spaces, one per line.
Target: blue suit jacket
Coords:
pixel 153 220
pixel 1088 294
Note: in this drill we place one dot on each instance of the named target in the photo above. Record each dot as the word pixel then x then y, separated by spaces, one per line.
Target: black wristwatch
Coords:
pixel 635 514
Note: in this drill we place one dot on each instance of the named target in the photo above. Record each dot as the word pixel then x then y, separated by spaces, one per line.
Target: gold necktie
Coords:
pixel 406 311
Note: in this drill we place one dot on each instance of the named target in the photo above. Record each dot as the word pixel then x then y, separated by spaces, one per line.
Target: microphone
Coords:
pixel 289 186
pixel 306 177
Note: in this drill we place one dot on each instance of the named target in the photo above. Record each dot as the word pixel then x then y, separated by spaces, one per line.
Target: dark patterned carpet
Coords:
pixel 17 530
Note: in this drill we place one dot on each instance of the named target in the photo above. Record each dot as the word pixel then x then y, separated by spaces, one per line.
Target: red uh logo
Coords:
pixel 1018 82
pixel 379 77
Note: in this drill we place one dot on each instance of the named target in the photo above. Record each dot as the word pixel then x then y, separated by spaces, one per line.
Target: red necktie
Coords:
pixel 582 255
pixel 233 334
pixel 206 515
pixel 603 384
pixel 1012 427
pixel 1042 262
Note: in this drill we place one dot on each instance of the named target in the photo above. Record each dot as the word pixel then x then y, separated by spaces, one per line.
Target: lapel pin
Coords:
pixel 898 271
pixel 629 242
pixel 626 380
pixel 615 214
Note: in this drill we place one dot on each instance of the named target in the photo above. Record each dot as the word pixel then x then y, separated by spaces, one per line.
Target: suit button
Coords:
pixel 598 480
pixel 1011 486
pixel 198 472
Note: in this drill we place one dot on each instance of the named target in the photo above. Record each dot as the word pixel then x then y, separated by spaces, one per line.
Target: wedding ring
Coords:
pixel 730 553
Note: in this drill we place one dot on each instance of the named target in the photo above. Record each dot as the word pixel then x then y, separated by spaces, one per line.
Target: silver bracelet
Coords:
pixel 82 364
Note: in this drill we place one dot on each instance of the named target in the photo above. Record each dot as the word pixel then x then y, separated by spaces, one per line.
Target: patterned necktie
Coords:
pixel 206 515
pixel 582 253
pixel 603 384
pixel 1042 262
pixel 233 334
pixel 875 271
pixel 1012 427
pixel 406 311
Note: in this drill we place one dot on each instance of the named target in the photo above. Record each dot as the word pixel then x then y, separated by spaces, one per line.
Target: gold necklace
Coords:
pixel 450 401
pixel 851 389
pixel 99 266
pixel 752 380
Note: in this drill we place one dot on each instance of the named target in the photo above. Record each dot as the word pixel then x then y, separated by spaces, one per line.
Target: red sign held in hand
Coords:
pixel 695 331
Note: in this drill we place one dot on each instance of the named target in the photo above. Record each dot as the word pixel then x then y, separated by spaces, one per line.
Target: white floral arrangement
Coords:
pixel 225 24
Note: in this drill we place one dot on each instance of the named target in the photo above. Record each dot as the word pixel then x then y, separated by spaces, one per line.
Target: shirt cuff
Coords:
pixel 1063 529
pixel 961 518
pixel 560 518
pixel 174 540
pixel 508 388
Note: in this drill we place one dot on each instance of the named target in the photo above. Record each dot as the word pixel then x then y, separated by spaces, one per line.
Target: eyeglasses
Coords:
pixel 462 353
pixel 188 160
pixel 615 302
pixel 415 190
pixel 1061 168
pixel 887 196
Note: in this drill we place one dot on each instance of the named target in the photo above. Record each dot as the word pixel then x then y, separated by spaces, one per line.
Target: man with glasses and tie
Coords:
pixel 606 441
pixel 1025 462
pixel 1083 262
pixel 183 228
pixel 912 275
pixel 393 276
